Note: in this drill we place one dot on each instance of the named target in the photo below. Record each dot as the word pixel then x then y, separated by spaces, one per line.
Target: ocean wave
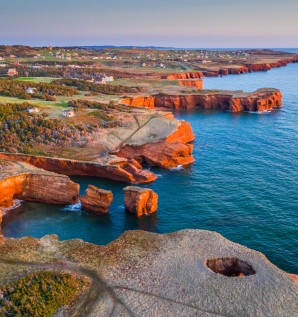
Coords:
pixel 177 168
pixel 260 112
pixel 16 204
pixel 73 207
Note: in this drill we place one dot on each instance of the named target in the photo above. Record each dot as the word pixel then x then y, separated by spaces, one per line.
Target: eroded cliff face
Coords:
pixel 188 75
pixel 260 100
pixel 197 83
pixel 110 167
pixel 147 102
pixel 97 200
pixel 23 181
pixel 175 150
pixel 249 68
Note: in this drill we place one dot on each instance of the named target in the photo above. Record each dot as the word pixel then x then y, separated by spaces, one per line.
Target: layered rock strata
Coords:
pixel 198 83
pixel 175 150
pixel 147 274
pixel 238 101
pixel 216 71
pixel 23 181
pixel 189 75
pixel 140 201
pixel 111 167
pixel 97 200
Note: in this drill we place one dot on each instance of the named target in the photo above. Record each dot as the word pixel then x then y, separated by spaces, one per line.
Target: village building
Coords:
pixel 108 78
pixel 33 110
pixel 100 81
pixel 12 72
pixel 68 113
pixel 31 90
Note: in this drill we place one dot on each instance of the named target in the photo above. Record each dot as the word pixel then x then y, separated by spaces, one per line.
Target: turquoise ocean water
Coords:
pixel 244 183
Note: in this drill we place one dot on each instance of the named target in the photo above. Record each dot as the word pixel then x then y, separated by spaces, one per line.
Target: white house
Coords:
pixel 33 110
pixel 31 90
pixel 12 72
pixel 68 113
pixel 108 78
pixel 100 81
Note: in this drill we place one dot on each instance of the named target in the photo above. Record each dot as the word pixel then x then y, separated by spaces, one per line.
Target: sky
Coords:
pixel 171 23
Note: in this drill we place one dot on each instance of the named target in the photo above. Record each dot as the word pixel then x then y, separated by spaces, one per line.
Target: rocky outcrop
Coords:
pixel 148 274
pixel 248 68
pixel 147 102
pixel 260 100
pixel 97 200
pixel 110 167
pixel 197 83
pixel 23 181
pixel 189 75
pixel 140 201
pixel 175 150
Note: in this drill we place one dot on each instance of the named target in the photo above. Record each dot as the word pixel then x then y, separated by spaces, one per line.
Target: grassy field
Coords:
pixel 37 79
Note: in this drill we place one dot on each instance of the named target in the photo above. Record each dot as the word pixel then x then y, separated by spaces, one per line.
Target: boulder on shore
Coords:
pixel 97 200
pixel 140 201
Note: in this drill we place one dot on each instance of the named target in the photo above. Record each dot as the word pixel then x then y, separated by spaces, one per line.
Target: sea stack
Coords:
pixel 97 200
pixel 140 201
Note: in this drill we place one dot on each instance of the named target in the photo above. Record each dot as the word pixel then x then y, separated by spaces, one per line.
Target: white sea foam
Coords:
pixel 73 207
pixel 260 112
pixel 177 168
pixel 16 204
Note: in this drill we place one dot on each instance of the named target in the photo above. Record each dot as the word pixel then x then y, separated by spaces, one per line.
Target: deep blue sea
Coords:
pixel 244 183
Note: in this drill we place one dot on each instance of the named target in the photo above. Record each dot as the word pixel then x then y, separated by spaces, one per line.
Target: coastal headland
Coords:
pixel 107 114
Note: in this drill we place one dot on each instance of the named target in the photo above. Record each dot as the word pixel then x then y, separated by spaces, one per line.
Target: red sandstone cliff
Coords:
pixel 197 83
pixel 119 170
pixel 24 182
pixel 97 200
pixel 260 100
pixel 171 152
pixel 190 75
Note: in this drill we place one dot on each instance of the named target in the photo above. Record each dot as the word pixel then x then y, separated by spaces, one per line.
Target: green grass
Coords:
pixel 40 294
pixel 36 79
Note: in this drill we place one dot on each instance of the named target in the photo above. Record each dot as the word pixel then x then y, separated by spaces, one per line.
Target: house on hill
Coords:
pixel 100 81
pixel 68 113
pixel 108 78
pixel 12 72
pixel 31 90
pixel 33 110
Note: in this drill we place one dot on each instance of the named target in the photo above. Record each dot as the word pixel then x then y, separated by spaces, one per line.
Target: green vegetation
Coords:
pixel 22 131
pixel 103 89
pixel 87 104
pixel 47 91
pixel 40 294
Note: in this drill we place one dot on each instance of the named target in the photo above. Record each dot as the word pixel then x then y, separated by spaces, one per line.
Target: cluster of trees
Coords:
pixel 88 104
pixel 40 293
pixel 88 86
pixel 47 91
pixel 22 131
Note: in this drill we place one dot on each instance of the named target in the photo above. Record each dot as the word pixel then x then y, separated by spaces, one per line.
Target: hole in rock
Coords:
pixel 230 267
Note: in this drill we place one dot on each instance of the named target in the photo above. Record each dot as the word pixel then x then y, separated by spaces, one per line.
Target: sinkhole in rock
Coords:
pixel 230 267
